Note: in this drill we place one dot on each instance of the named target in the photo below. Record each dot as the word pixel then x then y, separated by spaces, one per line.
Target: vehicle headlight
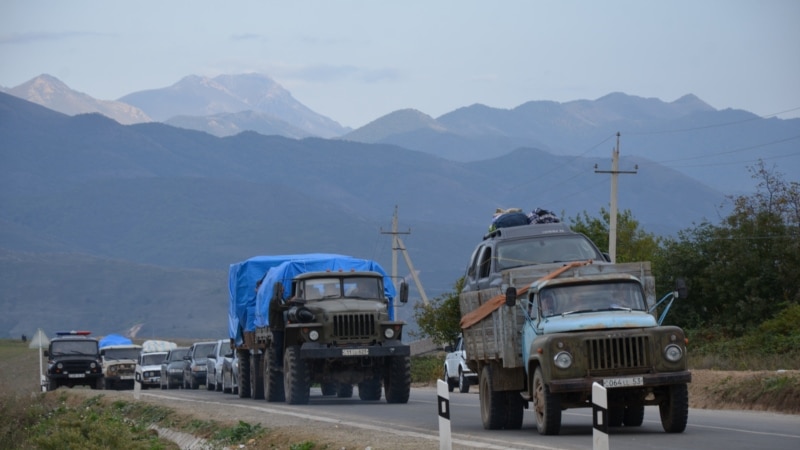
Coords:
pixel 59 366
pixel 199 368
pixel 313 335
pixel 563 360
pixel 673 353
pixel 388 333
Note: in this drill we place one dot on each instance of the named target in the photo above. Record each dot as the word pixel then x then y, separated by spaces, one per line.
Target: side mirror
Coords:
pixel 47 353
pixel 403 292
pixel 448 348
pixel 681 289
pixel 511 296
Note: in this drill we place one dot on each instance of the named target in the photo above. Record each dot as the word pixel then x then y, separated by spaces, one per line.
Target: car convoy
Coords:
pixel 545 316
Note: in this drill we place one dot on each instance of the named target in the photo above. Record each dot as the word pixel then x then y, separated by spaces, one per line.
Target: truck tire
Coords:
pixel 515 410
pixel 615 415
pixel 52 385
pixel 344 390
pixel 98 384
pixel 492 414
pixel 397 382
pixel 273 378
pixel 244 374
pixel 369 390
pixel 546 406
pixel 674 408
pixel 297 381
pixel 256 376
pixel 328 389
pixel 463 383
pixel 633 416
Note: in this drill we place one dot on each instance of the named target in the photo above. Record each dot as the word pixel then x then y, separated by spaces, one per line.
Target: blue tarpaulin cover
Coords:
pixel 242 279
pixel 114 339
pixel 287 271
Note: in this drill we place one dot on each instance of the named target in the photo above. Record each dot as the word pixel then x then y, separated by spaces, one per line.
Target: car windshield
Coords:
pixel 177 355
pixel 150 359
pixel 567 299
pixel 73 348
pixel 121 353
pixel 544 250
pixel 203 350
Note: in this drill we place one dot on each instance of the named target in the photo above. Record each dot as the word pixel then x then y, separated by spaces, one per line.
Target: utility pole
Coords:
pixel 612 224
pixel 397 245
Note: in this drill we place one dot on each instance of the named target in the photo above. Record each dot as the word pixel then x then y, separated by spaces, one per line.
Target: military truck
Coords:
pixel 321 319
pixel 543 334
pixel 73 359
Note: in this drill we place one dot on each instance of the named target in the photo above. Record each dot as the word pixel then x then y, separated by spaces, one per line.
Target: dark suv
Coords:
pixel 526 245
pixel 194 373
pixel 73 359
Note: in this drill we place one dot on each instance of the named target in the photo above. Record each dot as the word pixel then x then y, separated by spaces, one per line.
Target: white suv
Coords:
pixel 456 371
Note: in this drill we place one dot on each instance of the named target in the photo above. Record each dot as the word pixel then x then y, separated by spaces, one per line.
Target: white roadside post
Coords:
pixel 600 417
pixel 445 440
pixel 40 341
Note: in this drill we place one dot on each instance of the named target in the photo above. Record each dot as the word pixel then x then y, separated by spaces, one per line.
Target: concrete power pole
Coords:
pixel 397 244
pixel 612 219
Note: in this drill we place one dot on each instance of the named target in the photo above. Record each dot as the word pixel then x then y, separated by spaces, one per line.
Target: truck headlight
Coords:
pixel 563 360
pixel 313 335
pixel 388 333
pixel 59 366
pixel 93 365
pixel 673 353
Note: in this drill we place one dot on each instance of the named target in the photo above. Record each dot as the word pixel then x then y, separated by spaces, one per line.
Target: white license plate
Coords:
pixel 77 375
pixel 126 377
pixel 623 382
pixel 355 351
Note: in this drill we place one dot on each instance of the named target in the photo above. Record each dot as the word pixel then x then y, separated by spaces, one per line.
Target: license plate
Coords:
pixel 77 375
pixel 355 351
pixel 623 382
pixel 126 377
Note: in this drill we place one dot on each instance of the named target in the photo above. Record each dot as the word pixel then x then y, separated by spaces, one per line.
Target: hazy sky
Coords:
pixel 355 61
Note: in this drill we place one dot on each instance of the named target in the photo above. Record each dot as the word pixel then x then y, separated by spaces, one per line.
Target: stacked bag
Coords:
pixel 514 217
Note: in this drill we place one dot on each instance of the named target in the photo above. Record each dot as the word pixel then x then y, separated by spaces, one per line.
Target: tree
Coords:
pixel 440 320
pixel 633 243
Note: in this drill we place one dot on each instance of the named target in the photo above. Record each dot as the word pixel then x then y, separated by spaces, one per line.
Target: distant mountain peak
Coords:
pixel 50 92
pixel 394 123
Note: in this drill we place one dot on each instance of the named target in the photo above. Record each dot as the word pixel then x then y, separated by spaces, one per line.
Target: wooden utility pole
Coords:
pixel 397 245
pixel 612 219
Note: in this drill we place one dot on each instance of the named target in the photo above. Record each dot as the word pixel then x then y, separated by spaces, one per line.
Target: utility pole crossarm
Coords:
pixel 397 245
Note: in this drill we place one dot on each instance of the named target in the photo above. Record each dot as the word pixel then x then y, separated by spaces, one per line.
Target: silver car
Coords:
pixel 230 373
pixel 214 365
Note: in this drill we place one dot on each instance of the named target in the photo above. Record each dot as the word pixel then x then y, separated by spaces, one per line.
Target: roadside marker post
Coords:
pixel 443 405
pixel 599 417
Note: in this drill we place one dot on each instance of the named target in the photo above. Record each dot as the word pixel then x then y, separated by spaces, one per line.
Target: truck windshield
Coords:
pixel 544 250
pixel 73 348
pixel 626 295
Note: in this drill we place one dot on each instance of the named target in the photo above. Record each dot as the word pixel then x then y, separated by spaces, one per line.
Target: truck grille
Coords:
pixel 354 326
pixel 75 366
pixel 626 352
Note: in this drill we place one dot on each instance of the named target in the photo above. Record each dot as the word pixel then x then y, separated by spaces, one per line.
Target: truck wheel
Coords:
pixel 674 409
pixel 52 385
pixel 369 390
pixel 257 376
pixel 451 385
pixel 615 415
pixel 515 410
pixel 633 416
pixel 397 382
pixel 328 389
pixel 273 378
pixel 463 383
pixel 492 404
pixel 344 390
pixel 244 375
pixel 546 406
pixel 297 382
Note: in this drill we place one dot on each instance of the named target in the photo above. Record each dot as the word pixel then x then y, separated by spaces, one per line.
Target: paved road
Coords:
pixel 707 429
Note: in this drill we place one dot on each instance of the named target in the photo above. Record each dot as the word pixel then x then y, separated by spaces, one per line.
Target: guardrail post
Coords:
pixel 599 417
pixel 443 405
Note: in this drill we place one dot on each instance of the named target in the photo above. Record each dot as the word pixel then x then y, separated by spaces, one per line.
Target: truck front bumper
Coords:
pixel 313 350
pixel 649 380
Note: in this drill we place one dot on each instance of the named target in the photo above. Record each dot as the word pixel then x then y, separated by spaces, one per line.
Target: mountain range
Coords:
pixel 109 225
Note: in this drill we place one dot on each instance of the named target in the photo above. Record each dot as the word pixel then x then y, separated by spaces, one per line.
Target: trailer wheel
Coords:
pixel 273 378
pixel 296 378
pixel 546 406
pixel 244 375
pixel 633 416
pixel 674 409
pixel 256 376
pixel 397 382
pixel 369 390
